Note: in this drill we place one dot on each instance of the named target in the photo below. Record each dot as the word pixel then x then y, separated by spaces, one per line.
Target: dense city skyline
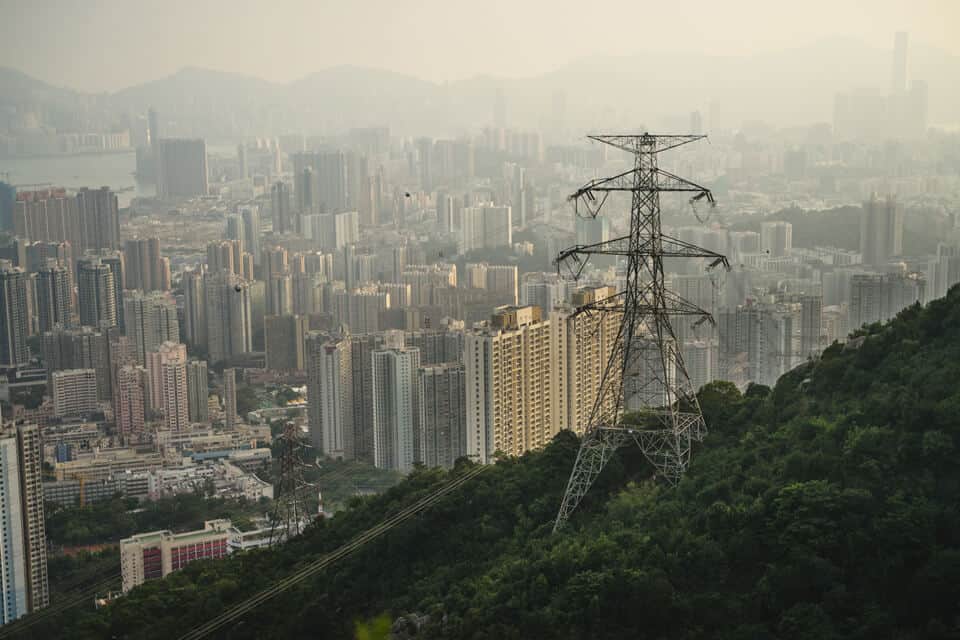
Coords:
pixel 677 289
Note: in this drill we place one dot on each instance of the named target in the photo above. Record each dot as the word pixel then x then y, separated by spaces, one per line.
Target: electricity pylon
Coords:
pixel 644 378
pixel 290 514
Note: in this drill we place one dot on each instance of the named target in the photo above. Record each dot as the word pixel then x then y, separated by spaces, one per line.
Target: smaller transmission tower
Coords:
pixel 290 513
pixel 644 377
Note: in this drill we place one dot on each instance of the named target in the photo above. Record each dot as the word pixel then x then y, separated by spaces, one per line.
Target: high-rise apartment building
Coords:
pixel 881 230
pixel 23 550
pixel 527 376
pixel 362 348
pixel 486 226
pixel 96 294
pixel 284 338
pixel 396 408
pixel 250 215
pixel 194 306
pixel 129 403
pixel 281 208
pixel 54 298
pixel 88 220
pixel 181 168
pixel 156 361
pixel 443 414
pixel 776 238
pixel 330 395
pixel 198 391
pixel 878 298
pixel 360 309
pixel 14 317
pixel 811 325
pixel 74 392
pixel 229 320
pixel 498 279
pixel 230 398
pixel 146 267
pixel 151 320
pixel 424 279
pixel 78 348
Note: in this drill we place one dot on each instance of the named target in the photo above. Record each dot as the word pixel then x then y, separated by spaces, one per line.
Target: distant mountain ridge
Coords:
pixel 787 87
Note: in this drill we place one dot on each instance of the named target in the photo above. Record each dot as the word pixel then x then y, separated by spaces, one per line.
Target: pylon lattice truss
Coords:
pixel 645 377
pixel 290 513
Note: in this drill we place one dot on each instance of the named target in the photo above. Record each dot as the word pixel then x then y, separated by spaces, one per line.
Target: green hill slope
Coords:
pixel 824 508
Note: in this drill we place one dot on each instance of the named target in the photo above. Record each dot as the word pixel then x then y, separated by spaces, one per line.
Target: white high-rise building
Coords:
pixel 330 395
pixel 486 227
pixel 776 238
pixel 23 551
pixel 396 411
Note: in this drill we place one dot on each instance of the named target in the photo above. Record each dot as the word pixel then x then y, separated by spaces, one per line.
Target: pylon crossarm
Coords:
pixel 647 142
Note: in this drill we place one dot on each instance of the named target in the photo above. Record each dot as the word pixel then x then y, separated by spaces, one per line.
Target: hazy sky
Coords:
pixel 108 44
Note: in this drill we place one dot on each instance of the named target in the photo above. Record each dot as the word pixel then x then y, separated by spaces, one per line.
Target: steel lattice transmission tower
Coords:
pixel 645 379
pixel 290 513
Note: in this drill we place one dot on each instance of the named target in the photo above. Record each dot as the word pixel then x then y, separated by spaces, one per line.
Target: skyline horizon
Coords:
pixel 533 42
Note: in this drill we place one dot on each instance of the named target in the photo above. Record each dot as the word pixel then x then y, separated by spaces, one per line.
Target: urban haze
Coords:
pixel 503 320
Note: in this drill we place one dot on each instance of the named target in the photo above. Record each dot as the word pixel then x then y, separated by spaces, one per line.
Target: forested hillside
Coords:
pixel 824 508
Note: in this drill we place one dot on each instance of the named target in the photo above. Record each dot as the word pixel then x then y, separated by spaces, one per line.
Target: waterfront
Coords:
pixel 81 170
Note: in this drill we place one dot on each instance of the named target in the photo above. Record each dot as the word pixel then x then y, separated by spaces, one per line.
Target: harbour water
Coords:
pixel 115 170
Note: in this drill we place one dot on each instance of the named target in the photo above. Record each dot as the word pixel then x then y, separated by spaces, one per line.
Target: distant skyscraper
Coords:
pixel 443 414
pixel 116 260
pixel 151 320
pixel 881 230
pixel 878 298
pixel 198 391
pixel 173 372
pixel 330 395
pixel 486 227
pixel 182 168
pixel 250 214
pixel 229 328
pixel 230 398
pixel 89 220
pixel 54 297
pixel 23 551
pixel 100 217
pixel 14 318
pixel 156 359
pixel 362 348
pixel 8 195
pixel 284 336
pixel 776 238
pixel 194 307
pixel 146 268
pixel 396 408
pixel 97 294
pixel 811 324
pixel 281 208
pixel 130 403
